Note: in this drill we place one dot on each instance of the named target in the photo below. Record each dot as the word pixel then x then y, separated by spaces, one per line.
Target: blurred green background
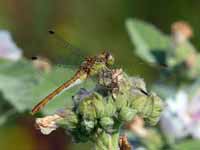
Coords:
pixel 90 25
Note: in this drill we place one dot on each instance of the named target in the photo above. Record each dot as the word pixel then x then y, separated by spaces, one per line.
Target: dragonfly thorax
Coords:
pixel 94 65
pixel 107 58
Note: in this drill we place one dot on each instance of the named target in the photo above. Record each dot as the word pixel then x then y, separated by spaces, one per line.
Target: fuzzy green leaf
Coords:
pixel 149 42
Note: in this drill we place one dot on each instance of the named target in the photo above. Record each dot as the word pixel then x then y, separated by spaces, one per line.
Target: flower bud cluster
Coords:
pixel 115 100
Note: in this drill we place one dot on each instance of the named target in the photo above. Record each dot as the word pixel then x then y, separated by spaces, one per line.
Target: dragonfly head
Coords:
pixel 109 59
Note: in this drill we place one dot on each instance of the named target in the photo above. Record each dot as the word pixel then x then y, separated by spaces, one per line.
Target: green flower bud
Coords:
pixel 70 120
pixel 148 107
pixel 109 108
pixel 141 104
pixel 107 123
pixel 121 101
pixel 91 107
pixel 88 125
pixel 99 106
pixel 79 96
pixel 87 110
pixel 157 107
pixel 127 114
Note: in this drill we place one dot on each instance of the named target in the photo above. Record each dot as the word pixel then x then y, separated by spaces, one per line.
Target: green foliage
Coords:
pixel 16 83
pixel 153 46
pixel 195 70
pixel 147 40
pixel 164 90
pixel 188 145
pixel 180 71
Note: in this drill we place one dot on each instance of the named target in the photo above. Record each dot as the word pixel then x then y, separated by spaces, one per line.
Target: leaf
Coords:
pixel 164 90
pixel 15 79
pixel 194 71
pixel 5 110
pixel 150 43
pixel 188 145
pixel 4 117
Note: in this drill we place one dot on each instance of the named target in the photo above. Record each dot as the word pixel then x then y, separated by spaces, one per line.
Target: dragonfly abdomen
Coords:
pixel 75 80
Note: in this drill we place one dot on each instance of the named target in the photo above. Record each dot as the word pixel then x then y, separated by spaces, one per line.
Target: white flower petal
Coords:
pixel 48 124
pixel 8 49
pixel 175 120
pixel 46 131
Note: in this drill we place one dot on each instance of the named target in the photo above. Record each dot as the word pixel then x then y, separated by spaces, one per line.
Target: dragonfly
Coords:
pixel 91 66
